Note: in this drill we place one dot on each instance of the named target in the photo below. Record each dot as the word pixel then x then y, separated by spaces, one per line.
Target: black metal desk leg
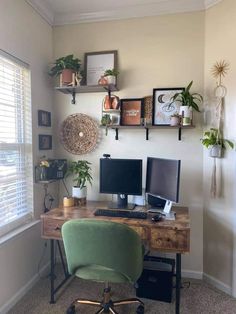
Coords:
pixel 52 275
pixel 178 282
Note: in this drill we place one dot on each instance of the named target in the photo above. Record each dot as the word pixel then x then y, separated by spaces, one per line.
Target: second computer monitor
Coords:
pixel 162 179
pixel 122 177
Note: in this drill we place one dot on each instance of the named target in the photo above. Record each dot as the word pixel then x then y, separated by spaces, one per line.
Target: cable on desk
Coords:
pixel 50 198
pixel 63 181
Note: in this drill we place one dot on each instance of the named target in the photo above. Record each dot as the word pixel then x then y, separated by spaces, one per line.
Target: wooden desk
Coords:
pixel 165 236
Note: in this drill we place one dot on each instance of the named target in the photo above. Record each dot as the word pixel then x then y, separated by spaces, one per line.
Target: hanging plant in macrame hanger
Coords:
pixel 214 138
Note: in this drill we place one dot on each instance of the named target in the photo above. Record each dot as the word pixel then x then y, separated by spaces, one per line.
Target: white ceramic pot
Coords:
pixel 186 113
pixel 78 192
pixel 111 79
pixel 216 151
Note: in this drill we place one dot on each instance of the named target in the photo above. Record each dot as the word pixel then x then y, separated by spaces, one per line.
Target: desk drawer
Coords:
pixel 52 228
pixel 170 240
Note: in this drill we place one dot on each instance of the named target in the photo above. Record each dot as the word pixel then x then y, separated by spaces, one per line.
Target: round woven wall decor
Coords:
pixel 79 134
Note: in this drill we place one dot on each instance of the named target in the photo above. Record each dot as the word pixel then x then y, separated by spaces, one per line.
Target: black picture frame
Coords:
pixel 132 111
pixel 96 63
pixel 44 118
pixel 162 106
pixel 45 142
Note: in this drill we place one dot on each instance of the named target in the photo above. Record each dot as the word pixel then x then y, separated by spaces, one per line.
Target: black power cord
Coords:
pixel 48 199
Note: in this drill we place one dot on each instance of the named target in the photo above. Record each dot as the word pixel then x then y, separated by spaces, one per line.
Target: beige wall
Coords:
pixel 25 35
pixel 166 51
pixel 219 214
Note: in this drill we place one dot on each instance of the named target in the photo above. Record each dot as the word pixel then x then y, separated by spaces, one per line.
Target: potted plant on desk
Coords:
pixel 81 172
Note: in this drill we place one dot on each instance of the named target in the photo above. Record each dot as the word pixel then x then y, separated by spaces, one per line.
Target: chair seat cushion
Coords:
pixel 100 273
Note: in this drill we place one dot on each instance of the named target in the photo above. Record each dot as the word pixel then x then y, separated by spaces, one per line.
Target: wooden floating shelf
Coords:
pixel 73 90
pixel 148 127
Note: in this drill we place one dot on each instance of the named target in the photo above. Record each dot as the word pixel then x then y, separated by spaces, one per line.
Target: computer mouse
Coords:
pixel 157 217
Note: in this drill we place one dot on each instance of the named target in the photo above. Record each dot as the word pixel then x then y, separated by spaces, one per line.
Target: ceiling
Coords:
pixel 61 12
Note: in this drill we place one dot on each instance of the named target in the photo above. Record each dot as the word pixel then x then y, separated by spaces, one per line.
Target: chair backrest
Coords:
pixel 104 243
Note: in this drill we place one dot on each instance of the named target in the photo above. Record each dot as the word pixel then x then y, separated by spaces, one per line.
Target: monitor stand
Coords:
pixel 122 203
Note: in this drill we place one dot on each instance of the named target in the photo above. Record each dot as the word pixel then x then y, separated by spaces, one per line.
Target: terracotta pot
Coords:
pixel 102 81
pixel 106 103
pixel 67 76
pixel 111 102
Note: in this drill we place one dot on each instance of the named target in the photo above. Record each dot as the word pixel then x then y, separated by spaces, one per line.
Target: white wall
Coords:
pixel 166 51
pixel 219 213
pixel 25 35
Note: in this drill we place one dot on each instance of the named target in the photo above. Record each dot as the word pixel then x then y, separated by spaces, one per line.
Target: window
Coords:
pixel 16 178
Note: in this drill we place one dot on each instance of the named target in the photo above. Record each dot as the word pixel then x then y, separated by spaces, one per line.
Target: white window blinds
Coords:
pixel 16 190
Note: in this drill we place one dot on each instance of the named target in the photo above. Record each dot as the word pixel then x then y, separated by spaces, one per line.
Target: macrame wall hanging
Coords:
pixel 219 70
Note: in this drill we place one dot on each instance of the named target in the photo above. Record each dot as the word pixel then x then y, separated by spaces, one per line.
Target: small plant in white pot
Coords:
pixel 189 102
pixel 111 75
pixel 81 172
pixel 214 140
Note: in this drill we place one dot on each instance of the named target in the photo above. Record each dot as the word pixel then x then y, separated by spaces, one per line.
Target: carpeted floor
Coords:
pixel 198 298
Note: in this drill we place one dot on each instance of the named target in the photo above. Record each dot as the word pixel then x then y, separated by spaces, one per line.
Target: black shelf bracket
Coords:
pixel 73 98
pixel 179 135
pixel 117 134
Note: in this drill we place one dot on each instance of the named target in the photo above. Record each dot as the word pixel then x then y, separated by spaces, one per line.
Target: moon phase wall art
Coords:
pixel 163 107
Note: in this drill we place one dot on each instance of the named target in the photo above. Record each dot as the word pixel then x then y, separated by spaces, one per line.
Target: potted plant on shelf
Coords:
pixel 106 121
pixel 214 139
pixel 111 75
pixel 81 172
pixel 189 101
pixel 68 68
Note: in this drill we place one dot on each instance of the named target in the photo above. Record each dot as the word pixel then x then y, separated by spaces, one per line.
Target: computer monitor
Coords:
pixel 122 177
pixel 162 180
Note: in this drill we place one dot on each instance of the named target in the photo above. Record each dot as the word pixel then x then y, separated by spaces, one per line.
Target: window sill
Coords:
pixel 16 232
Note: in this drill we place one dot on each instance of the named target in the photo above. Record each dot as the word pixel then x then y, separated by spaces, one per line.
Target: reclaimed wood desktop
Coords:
pixel 172 236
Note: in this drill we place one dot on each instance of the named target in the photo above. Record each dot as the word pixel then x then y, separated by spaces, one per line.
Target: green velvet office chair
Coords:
pixel 103 251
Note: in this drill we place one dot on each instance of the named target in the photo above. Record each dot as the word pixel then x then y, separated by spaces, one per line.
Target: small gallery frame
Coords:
pixel 96 63
pixel 131 111
pixel 44 118
pixel 45 142
pixel 163 107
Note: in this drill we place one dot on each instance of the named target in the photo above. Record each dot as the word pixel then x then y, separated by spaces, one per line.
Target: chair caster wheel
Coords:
pixel 71 310
pixel 140 309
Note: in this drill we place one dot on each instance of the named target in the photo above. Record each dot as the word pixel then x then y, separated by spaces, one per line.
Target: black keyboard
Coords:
pixel 121 213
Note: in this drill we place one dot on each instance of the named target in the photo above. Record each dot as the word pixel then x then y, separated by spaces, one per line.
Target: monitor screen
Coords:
pixel 162 178
pixel 121 176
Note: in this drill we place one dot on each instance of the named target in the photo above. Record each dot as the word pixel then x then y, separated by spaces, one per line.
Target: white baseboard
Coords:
pixel 15 298
pixel 217 284
pixel 191 274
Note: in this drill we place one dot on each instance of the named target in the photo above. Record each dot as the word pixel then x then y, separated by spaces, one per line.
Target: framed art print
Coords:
pixel 45 142
pixel 163 107
pixel 131 111
pixel 96 63
pixel 44 118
